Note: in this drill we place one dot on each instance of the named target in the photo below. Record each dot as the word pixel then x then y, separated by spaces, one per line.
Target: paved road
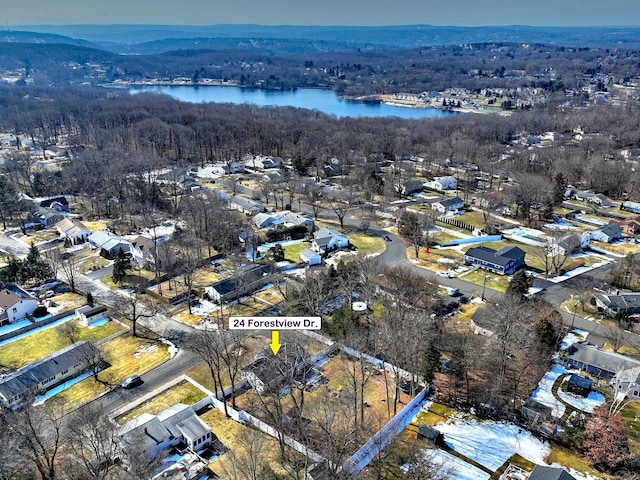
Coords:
pixel 13 247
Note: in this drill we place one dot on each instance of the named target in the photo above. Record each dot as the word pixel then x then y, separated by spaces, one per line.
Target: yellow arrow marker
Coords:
pixel 275 341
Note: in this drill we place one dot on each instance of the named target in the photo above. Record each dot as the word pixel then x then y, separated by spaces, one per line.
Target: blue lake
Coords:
pixel 325 101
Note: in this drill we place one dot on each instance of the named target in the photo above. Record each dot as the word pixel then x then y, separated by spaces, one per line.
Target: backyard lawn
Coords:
pixel 69 300
pixel 292 251
pixel 621 248
pixel 437 260
pixel 231 434
pixel 183 392
pixel 631 414
pixel 43 343
pixel 473 218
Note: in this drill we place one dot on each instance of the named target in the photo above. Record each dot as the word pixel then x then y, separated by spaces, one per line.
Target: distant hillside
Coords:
pixel 41 38
pixel 158 38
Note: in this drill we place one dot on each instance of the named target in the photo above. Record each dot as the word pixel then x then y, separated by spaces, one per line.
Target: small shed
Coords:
pixel 88 314
pixel 536 412
pixel 430 435
pixel 579 385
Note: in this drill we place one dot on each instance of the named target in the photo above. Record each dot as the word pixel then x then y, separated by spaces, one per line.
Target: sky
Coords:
pixel 323 12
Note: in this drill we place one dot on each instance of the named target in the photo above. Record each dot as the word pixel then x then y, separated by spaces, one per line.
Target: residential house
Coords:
pixel 228 168
pixel 569 244
pixel 410 186
pixel 58 203
pixel 328 239
pixel 177 425
pixel 627 383
pixel 160 253
pixel 310 256
pixel 484 322
pixel 443 183
pixel 539 472
pixel 73 231
pixel 591 359
pixel 588 196
pixel 630 226
pixel 46 216
pixel 88 314
pixel 613 304
pixel 607 234
pixel 633 207
pixel 450 204
pixel 38 377
pixel 247 281
pixel 108 244
pixel 266 220
pixel 262 163
pixel 15 304
pixel 291 219
pixel 504 262
pixel 269 371
pixel 246 205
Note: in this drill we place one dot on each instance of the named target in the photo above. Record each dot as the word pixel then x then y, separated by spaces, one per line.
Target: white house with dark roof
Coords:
pixel 449 204
pixel 607 234
pixel 176 425
pixel 38 377
pixel 612 304
pixel 327 239
pixel 15 304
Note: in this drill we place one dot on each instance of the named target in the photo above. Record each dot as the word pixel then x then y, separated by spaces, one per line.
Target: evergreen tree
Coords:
pixel 89 298
pixel 559 187
pixel 519 284
pixel 120 266
pixel 33 257
pixel 430 362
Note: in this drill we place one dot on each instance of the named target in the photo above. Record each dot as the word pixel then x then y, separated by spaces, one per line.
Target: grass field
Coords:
pixel 621 248
pixel 38 236
pixel 183 392
pixel 448 257
pixel 292 252
pixel 69 300
pixel 476 219
pixel 42 344
pixel 126 356
pixel 631 414
pixel 494 281
pixel 367 244
pixel 95 226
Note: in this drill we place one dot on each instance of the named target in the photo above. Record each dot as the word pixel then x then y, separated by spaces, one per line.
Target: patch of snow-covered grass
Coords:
pixel 492 443
pixel 458 469
pixel 572 337
pixel 588 404
pixel 544 394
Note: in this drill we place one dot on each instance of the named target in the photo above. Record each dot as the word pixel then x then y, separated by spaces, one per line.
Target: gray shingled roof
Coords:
pixel 247 277
pixel 501 257
pixel 26 378
pixel 607 361
pixel 542 472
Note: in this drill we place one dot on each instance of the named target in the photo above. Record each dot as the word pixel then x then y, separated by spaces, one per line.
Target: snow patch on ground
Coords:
pixel 460 470
pixel 173 350
pixel 492 443
pixel 572 337
pixel 543 394
pixel 588 404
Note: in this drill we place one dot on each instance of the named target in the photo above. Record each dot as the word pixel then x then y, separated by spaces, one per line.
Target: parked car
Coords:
pixel 387 238
pixel 132 381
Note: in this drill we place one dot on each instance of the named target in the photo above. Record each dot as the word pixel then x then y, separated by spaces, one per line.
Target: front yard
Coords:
pixel 367 244
pixel 184 392
pixel 126 356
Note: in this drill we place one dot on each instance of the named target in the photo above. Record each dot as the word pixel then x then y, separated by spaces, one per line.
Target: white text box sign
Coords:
pixel 275 323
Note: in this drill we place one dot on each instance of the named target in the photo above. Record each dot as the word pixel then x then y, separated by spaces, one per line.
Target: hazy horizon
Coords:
pixel 452 13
